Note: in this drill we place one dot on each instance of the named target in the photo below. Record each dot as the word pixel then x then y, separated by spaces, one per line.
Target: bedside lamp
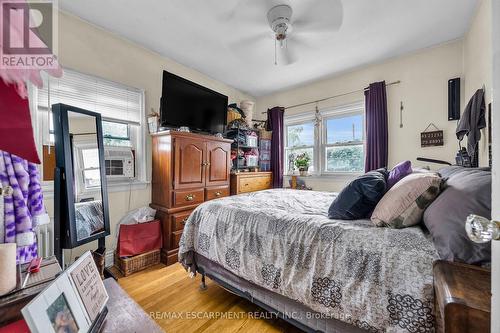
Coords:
pixel 481 230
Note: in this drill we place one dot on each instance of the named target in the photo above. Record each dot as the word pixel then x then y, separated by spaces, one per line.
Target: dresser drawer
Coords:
pixel 215 193
pixel 176 238
pixel 252 184
pixel 179 220
pixel 188 197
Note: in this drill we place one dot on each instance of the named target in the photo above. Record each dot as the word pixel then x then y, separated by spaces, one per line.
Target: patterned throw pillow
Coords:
pixel 404 204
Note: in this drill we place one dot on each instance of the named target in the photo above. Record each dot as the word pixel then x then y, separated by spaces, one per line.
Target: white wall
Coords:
pixel 477 51
pixel 423 90
pixel 91 50
pixel 495 277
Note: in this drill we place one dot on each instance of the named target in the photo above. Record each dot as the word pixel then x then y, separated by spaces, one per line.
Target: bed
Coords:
pixel 279 249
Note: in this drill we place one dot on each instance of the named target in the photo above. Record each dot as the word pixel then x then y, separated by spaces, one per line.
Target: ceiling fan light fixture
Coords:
pixel 279 20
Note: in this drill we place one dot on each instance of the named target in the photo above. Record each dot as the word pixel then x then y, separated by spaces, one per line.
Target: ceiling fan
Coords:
pixel 319 18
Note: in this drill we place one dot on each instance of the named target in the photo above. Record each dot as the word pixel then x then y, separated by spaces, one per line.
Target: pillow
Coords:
pixel 467 191
pixel 397 173
pixel 358 199
pixel 404 204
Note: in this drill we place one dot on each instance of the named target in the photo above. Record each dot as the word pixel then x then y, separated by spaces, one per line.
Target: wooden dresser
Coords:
pixel 244 182
pixel 463 298
pixel 188 169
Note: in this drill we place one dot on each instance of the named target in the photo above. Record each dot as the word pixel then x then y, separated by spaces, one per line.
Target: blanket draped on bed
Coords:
pixel 379 279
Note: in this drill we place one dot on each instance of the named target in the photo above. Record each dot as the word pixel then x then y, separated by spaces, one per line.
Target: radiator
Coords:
pixel 45 238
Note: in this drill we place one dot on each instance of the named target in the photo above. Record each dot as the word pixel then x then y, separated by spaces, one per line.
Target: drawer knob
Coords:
pixel 190 197
pixel 218 194
pixel 183 222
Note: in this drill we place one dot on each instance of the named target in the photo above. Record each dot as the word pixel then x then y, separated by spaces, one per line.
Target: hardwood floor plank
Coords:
pixel 176 303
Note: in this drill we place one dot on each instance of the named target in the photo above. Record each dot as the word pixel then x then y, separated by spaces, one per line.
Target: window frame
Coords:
pixel 137 133
pixel 81 186
pixel 298 120
pixel 320 136
pixel 341 112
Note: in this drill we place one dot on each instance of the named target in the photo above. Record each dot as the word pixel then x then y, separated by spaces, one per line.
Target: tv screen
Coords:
pixel 185 103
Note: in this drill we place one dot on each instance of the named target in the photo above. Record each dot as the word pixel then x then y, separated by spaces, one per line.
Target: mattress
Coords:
pixel 378 279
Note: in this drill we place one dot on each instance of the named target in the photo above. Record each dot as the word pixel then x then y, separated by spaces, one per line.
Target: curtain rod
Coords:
pixel 335 96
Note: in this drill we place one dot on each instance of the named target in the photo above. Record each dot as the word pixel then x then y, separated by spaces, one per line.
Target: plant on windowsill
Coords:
pixel 302 163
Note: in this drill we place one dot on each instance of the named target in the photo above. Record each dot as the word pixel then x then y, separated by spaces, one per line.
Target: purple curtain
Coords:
pixel 376 126
pixel 275 124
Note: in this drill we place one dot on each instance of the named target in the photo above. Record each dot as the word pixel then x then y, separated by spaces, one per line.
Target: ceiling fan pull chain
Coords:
pixel 275 58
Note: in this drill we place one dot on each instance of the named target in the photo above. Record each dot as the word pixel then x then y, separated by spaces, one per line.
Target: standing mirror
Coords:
pixel 81 205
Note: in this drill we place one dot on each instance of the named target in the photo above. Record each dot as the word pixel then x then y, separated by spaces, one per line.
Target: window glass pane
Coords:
pixel 344 129
pixel 300 135
pixel 115 130
pixel 90 158
pixel 117 142
pixel 92 178
pixel 294 152
pixel 345 159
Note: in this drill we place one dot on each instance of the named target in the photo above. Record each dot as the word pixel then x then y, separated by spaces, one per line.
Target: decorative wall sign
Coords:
pixel 432 138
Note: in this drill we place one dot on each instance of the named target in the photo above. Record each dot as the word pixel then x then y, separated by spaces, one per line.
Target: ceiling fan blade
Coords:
pixel 320 16
pixel 249 8
pixel 252 46
pixel 230 14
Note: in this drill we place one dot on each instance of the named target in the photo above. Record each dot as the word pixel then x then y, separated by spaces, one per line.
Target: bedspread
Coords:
pixel 379 279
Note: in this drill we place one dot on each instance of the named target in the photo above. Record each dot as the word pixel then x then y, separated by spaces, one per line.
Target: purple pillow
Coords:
pixel 399 172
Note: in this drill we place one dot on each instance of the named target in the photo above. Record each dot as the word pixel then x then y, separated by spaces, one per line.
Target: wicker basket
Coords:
pixel 137 263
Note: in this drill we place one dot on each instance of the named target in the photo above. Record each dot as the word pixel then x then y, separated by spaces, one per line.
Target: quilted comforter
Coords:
pixel 379 279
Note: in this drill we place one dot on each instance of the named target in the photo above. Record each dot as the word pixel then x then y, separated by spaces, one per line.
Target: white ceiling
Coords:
pixel 199 34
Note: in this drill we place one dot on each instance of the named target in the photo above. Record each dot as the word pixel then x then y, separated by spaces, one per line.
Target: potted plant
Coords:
pixel 302 163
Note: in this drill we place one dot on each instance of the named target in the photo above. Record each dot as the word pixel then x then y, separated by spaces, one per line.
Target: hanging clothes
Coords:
pixel 23 206
pixel 471 123
pixel 2 224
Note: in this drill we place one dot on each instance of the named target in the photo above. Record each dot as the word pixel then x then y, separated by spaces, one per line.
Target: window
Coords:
pixel 90 167
pixel 344 146
pixel 335 145
pixel 116 134
pixel 121 108
pixel 299 139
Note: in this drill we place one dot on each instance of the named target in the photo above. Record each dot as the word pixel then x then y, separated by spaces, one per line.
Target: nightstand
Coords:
pixel 462 297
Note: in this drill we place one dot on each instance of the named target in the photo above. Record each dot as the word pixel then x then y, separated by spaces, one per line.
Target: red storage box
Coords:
pixel 135 239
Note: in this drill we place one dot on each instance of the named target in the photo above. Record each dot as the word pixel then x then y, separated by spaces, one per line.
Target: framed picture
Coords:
pixel 56 309
pixel 86 281
pixel 72 303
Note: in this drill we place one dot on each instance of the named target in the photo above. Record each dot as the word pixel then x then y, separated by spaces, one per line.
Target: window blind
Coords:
pixel 112 100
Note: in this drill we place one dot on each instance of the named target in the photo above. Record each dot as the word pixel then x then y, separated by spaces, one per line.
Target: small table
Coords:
pixel 12 303
pixel 463 297
pixel 124 314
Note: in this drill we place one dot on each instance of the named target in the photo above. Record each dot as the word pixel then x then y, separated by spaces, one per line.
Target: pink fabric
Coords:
pixel 19 77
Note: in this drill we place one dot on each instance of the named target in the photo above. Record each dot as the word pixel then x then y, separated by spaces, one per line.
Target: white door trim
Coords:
pixel 495 259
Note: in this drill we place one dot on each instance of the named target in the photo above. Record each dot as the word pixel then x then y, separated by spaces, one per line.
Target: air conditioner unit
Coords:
pixel 119 162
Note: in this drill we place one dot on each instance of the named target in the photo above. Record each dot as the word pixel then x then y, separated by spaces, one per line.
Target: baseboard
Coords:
pixel 109 259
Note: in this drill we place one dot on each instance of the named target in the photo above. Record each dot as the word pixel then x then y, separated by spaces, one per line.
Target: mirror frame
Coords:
pixel 65 233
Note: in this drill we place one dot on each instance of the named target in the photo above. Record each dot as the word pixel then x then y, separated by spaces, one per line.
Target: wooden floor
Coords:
pixel 177 305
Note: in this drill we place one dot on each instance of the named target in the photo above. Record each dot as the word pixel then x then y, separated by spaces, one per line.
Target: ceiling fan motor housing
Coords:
pixel 279 20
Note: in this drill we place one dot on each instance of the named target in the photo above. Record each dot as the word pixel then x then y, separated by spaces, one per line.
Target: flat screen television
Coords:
pixel 185 103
